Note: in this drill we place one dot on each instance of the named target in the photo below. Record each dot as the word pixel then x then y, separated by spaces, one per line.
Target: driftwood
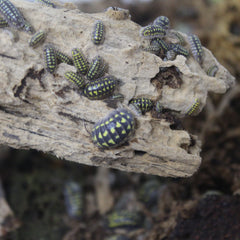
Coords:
pixel 47 113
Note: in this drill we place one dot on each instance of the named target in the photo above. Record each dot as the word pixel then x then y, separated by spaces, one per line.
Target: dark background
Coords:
pixel 203 207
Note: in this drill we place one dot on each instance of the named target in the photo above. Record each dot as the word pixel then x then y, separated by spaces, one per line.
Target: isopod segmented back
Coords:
pixel 196 47
pixel 145 104
pixel 75 78
pixel 80 61
pixel 50 58
pixel 98 33
pixel 113 130
pixel 162 21
pixel 100 88
pixel 97 68
pixel 11 14
pixel 37 39
pixel 152 31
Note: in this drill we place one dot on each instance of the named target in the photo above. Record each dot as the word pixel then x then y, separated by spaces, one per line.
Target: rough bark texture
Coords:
pixel 45 112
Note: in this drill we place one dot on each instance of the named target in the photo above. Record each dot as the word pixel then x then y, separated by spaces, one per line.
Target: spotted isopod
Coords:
pixel 37 39
pixel 80 61
pixel 11 14
pixel 100 88
pixel 179 50
pixel 73 198
pixel 117 237
pixel 50 58
pixel 196 47
pixel 212 71
pixel 63 58
pixel 75 78
pixel 124 219
pixel 3 23
pixel 161 43
pixel 48 3
pixel 98 33
pixel 113 130
pixel 194 107
pixel 144 104
pixel 162 21
pixel 97 68
pixel 152 31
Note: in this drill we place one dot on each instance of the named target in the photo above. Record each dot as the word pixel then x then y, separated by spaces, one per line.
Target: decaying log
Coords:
pixel 45 112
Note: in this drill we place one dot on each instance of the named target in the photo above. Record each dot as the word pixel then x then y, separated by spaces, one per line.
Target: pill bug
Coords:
pixel 178 49
pixel 47 3
pixel 144 104
pixel 11 14
pixel 3 23
pixel 124 219
pixel 37 39
pixel 194 107
pixel 98 33
pixel 75 78
pixel 117 237
pixel 196 47
pixel 73 199
pixel 113 130
pixel 80 61
pixel 164 47
pixel 152 31
pixel 212 71
pixel 100 88
pixel 63 58
pixel 50 58
pixel 97 68
pixel 162 21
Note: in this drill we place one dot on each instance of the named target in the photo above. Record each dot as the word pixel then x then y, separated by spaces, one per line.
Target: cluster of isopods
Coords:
pixel 119 218
pixel 114 129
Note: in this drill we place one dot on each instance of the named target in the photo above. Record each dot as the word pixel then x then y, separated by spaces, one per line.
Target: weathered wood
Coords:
pixel 45 112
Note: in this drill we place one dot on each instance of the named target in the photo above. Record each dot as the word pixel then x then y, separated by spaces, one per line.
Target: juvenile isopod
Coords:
pixel 152 31
pixel 162 21
pixel 47 3
pixel 194 107
pixel 196 47
pixel 100 88
pixel 97 68
pixel 75 78
pixel 80 61
pixel 11 14
pixel 212 71
pixel 50 58
pixel 73 198
pixel 37 39
pixel 98 33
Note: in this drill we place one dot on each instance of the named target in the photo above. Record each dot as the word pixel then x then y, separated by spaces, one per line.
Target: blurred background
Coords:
pixel 55 199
